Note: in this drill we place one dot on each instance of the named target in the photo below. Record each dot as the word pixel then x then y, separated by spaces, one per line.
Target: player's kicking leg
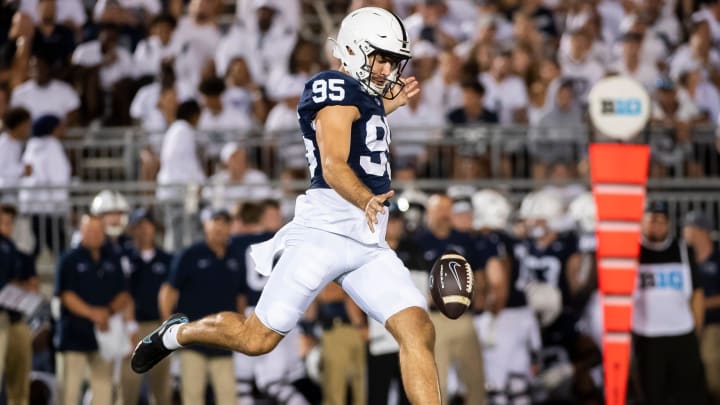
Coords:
pixel 384 289
pixel 415 334
pixel 305 267
pixel 229 330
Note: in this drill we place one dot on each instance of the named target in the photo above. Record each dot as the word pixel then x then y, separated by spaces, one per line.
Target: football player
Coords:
pixel 338 233
pixel 509 331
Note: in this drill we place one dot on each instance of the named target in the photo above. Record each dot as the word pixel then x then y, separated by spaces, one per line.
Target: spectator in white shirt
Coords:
pixel 580 66
pixel 17 129
pixel 414 126
pixel 179 161
pixel 197 37
pixel 157 48
pixel 431 22
pixel 305 60
pixel 180 173
pixel 710 13
pixel 70 13
pixel 505 94
pixel 652 49
pixel 443 90
pixel 114 62
pixel 242 93
pixel 154 106
pixel 148 107
pixel 703 93
pixel 49 167
pixel 632 65
pixel 106 69
pixel 220 120
pixel 132 16
pixel 42 95
pixel 698 50
pixel 266 42
pixel 282 124
pixel 237 181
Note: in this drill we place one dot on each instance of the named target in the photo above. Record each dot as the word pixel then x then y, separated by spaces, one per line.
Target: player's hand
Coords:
pixel 375 206
pixel 410 90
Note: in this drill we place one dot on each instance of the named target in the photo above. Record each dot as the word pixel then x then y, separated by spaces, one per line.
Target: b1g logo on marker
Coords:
pixel 619 107
pixel 622 106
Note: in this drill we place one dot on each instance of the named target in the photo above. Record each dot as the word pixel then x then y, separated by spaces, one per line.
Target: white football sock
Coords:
pixel 169 338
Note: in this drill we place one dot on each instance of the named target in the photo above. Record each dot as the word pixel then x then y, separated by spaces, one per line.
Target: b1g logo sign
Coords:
pixel 661 279
pixel 619 107
pixel 622 106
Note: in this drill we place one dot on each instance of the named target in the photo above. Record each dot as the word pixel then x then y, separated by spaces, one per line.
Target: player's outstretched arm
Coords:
pixel 333 127
pixel 410 90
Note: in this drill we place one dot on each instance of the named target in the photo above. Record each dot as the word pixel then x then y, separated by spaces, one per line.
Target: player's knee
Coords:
pixel 412 328
pixel 257 339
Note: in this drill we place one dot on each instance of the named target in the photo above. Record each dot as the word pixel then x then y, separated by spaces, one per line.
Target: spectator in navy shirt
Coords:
pixel 91 287
pixel 697 235
pixel 204 280
pixel 149 267
pixel 456 340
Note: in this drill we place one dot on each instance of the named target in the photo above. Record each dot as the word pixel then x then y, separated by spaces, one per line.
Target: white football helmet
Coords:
pixel 542 205
pixel 491 210
pixel 582 210
pixel 545 300
pixel 368 30
pixel 108 201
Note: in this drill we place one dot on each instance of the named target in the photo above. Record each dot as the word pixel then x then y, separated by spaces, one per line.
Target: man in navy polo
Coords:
pixel 203 280
pixel 91 287
pixel 149 267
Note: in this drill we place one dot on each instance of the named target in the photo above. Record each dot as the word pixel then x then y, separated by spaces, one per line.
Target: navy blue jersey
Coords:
pixel 95 282
pixel 709 272
pixel 145 280
pixel 251 282
pixel 370 135
pixel 432 247
pixel 488 245
pixel 547 265
pixel 206 283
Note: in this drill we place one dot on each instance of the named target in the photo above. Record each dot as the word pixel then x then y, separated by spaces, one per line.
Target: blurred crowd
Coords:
pixel 525 66
pixel 533 333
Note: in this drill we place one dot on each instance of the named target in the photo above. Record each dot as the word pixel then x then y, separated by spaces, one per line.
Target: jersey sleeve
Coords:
pixel 328 89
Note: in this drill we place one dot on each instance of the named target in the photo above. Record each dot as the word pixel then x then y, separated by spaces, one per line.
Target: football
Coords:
pixel 451 284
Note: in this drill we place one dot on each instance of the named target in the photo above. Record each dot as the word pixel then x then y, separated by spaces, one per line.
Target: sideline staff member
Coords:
pixel 203 280
pixel 667 315
pixel 91 286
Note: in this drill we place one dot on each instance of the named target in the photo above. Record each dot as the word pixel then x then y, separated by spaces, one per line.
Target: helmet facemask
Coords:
pixel 393 85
